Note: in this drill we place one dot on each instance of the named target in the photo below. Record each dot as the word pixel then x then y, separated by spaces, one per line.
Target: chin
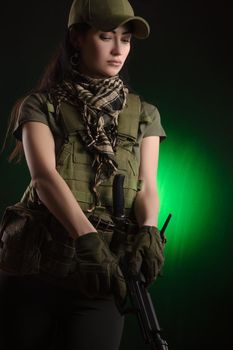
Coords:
pixel 110 72
pixel 105 73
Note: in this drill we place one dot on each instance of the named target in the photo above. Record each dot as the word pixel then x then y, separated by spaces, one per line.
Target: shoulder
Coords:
pixel 35 102
pixel 150 120
pixel 148 112
pixel 35 99
pixel 33 107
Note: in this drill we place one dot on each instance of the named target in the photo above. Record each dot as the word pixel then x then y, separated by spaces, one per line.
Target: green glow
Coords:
pixel 188 189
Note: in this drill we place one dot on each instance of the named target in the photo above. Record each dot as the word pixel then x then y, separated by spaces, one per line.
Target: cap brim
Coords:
pixel 141 28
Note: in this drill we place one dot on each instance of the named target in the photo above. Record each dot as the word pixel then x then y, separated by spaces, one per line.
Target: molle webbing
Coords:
pixel 74 162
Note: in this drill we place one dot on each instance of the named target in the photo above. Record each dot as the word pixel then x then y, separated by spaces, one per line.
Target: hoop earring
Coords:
pixel 75 59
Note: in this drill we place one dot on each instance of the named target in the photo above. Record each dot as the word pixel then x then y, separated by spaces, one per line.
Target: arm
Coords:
pixel 39 148
pixel 147 202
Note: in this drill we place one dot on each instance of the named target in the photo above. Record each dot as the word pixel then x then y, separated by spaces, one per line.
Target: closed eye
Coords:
pixel 105 37
pixel 126 38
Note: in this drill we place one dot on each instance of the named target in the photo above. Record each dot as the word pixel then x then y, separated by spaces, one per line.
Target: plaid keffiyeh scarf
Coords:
pixel 100 101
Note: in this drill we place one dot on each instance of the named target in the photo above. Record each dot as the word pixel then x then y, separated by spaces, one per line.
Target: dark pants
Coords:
pixel 36 315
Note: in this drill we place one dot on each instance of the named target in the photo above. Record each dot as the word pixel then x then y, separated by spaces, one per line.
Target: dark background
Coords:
pixel 185 68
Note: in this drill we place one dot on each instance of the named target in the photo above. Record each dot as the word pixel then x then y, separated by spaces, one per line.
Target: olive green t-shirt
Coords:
pixel 34 108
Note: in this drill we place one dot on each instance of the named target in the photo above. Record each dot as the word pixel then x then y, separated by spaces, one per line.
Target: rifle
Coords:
pixel 138 294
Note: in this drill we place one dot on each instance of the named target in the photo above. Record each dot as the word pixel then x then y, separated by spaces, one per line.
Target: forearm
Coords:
pixel 146 207
pixel 55 194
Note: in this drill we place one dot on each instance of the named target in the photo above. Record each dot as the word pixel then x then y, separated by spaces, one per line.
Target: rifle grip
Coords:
pixel 118 196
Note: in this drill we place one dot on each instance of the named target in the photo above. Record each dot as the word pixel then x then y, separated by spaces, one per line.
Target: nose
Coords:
pixel 116 49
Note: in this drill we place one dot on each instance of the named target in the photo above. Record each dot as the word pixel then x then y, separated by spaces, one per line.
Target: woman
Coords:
pixel 80 128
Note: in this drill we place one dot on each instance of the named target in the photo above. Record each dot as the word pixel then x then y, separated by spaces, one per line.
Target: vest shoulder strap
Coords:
pixel 129 117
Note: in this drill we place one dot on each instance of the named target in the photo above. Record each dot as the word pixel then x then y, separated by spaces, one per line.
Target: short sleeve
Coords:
pixel 150 121
pixel 34 109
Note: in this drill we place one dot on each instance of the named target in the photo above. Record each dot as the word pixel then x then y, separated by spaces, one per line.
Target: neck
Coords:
pixel 80 75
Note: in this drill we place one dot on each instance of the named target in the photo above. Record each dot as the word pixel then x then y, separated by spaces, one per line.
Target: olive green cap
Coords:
pixel 107 15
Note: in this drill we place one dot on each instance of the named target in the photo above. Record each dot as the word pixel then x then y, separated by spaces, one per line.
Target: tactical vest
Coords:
pixel 74 162
pixel 32 240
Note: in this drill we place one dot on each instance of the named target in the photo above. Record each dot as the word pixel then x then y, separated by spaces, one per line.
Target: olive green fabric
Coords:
pixel 37 238
pixel 34 108
pixel 74 162
pixel 32 242
pixel 106 15
pixel 146 253
pixel 21 237
pixel 37 107
pixel 97 268
pixel 138 120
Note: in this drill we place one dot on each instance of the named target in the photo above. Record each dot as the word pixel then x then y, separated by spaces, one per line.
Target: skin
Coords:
pixel 102 54
pixel 99 51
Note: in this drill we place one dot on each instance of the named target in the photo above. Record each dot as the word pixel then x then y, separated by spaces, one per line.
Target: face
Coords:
pixel 103 54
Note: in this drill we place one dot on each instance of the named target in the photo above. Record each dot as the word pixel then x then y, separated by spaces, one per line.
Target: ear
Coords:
pixel 75 38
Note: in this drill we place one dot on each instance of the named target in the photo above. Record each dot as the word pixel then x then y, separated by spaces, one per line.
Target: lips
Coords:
pixel 116 63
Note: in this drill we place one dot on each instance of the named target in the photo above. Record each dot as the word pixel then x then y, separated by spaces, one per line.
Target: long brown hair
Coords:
pixel 58 69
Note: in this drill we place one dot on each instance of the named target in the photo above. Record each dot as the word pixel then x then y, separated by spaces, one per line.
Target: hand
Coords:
pixel 98 268
pixel 147 254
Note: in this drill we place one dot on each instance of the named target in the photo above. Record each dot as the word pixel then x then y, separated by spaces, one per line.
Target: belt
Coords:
pixel 106 225
pixel 101 224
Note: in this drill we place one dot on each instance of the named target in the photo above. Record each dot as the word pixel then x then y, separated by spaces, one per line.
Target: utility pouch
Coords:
pixel 20 240
pixel 32 241
pixel 58 253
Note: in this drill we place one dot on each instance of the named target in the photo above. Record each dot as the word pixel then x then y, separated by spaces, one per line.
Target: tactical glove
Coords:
pixel 147 254
pixel 98 268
